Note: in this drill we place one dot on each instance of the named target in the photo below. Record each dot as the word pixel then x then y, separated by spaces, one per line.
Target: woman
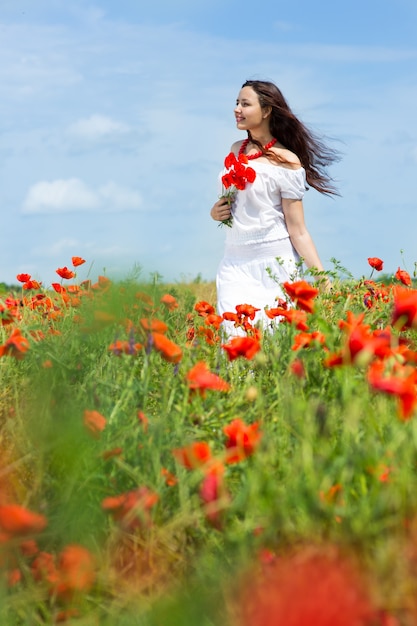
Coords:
pixel 268 236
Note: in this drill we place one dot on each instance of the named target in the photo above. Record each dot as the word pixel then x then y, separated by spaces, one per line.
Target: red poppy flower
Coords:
pixel 29 548
pixel 250 174
pixel 405 308
pixel 332 494
pixel 94 422
pixel 203 308
pixel 194 455
pixel 199 377
pixel 402 383
pixel 154 325
pixel 10 312
pixel 242 440
pixel 75 572
pixel 143 420
pixel 16 520
pixel 23 278
pixel 169 350
pixel 16 345
pixel 275 312
pixel 302 293
pixel 230 160
pixel 214 497
pixel 169 301
pixel 403 276
pixel 376 263
pixel 32 284
pixel 170 479
pixel 361 344
pixel 131 509
pixel 14 576
pixel 214 320
pixel 210 336
pixel 295 317
pixel 304 339
pixel 145 298
pixel 110 454
pixel 246 347
pixel 246 310
pixel 103 281
pixel 77 260
pixel 64 272
pixel 297 368
pixel 58 288
pixel 43 568
pixel 119 347
pixel 238 174
pixel 307 587
pixel 229 316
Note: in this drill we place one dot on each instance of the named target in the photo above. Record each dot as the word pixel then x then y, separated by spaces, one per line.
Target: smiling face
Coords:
pixel 248 112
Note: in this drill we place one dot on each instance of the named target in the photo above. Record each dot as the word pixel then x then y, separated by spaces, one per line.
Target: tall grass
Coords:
pixel 333 469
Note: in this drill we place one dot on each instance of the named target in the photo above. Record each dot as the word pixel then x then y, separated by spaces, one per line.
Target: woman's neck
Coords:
pixel 262 138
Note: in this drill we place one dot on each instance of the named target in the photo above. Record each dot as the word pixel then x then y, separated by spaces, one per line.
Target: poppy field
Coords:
pixel 155 471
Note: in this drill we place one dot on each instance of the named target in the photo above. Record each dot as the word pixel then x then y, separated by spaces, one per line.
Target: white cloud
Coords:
pixel 97 126
pixel 117 198
pixel 58 248
pixel 72 194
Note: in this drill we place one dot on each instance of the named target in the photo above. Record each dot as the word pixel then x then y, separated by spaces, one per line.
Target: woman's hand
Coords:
pixel 325 285
pixel 221 210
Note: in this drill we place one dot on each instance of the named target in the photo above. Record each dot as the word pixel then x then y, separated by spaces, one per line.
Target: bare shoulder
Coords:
pixel 236 146
pixel 289 159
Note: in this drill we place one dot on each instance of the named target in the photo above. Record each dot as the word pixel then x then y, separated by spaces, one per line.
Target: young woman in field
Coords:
pixel 268 235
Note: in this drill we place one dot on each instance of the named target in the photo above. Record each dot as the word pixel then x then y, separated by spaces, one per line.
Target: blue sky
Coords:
pixel 116 116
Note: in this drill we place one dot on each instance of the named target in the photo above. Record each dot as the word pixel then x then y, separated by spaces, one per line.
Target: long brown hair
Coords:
pixel 314 155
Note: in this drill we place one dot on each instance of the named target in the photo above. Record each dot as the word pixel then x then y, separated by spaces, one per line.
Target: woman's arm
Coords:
pixel 299 235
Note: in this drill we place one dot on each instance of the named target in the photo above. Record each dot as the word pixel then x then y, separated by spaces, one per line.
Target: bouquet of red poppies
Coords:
pixel 236 177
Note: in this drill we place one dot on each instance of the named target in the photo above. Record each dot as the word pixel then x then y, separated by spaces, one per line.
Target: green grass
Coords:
pixel 172 566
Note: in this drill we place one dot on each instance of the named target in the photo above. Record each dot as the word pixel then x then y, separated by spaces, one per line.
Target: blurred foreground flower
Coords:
pixel 170 302
pixel 16 520
pixel 94 422
pixel 194 455
pixel 242 440
pixel 200 378
pixel 131 509
pixel 75 573
pixel 400 382
pixel 169 350
pixel 405 308
pixel 16 345
pixel 307 588
pixel 214 497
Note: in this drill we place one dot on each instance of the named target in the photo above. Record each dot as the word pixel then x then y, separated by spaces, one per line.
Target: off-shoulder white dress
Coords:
pixel 258 237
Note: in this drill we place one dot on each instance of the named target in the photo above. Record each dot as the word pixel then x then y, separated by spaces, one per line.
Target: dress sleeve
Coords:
pixel 292 183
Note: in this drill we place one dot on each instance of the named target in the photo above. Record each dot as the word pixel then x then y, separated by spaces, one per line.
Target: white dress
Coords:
pixel 257 237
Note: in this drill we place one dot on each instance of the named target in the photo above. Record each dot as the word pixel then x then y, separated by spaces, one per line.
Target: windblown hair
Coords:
pixel 314 155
